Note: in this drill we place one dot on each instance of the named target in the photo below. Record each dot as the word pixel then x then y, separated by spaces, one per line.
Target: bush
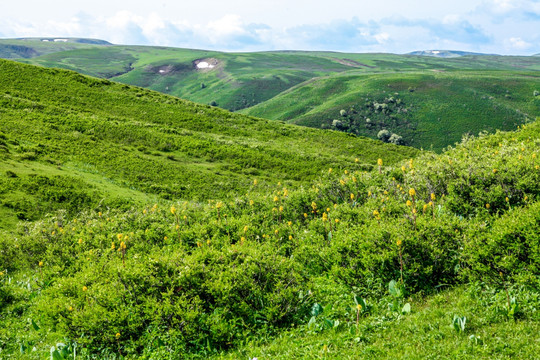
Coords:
pixel 509 250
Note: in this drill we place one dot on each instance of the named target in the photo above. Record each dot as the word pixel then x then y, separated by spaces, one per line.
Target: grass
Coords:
pixel 119 140
pixel 160 229
pixel 434 110
pixel 310 88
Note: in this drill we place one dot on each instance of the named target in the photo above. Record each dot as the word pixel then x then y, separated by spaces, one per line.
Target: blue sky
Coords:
pixel 398 26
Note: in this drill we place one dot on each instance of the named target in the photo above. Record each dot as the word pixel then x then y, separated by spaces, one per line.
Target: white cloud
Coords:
pixel 495 27
pixel 518 43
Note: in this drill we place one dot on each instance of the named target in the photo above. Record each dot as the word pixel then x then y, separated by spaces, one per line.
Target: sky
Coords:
pixel 507 27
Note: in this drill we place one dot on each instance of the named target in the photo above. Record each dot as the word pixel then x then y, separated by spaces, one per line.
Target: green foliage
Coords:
pixel 346 265
pixel 435 115
pixel 73 141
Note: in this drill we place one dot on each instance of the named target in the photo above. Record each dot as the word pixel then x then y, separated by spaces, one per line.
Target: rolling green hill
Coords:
pixel 427 109
pixel 72 142
pixel 434 256
pixel 146 236
pixel 444 98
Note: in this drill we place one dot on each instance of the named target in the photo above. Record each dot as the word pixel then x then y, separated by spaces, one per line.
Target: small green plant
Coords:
pixel 458 323
pixel 325 323
pixel 64 351
pixel 397 292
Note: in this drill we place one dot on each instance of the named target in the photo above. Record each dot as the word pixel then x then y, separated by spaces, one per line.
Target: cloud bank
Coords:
pixel 496 26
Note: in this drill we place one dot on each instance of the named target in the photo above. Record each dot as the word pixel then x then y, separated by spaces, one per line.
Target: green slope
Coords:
pixel 428 109
pixel 453 96
pixel 434 257
pixel 33 47
pixel 92 141
pixel 241 80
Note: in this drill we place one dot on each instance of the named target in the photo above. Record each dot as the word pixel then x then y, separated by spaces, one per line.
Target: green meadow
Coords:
pixel 443 98
pixel 136 225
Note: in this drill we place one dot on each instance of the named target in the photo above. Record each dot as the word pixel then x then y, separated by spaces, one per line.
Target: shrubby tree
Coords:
pixel 384 135
pixel 396 139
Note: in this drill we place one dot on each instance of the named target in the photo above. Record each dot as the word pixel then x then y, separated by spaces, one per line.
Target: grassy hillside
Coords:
pixel 33 47
pixel 241 80
pixel 444 97
pixel 73 142
pixel 428 109
pixel 437 256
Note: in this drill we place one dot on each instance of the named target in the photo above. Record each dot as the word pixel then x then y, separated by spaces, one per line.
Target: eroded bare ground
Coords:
pixel 352 63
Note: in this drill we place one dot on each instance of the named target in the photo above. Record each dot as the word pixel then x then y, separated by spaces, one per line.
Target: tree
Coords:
pixel 383 135
pixel 396 139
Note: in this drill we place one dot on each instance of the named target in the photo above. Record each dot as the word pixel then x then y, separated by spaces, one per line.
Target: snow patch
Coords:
pixel 204 65
pixel 60 40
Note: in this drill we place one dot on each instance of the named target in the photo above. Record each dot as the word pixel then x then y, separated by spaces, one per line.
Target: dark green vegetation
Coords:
pixel 425 109
pixel 436 256
pixel 444 98
pixel 71 142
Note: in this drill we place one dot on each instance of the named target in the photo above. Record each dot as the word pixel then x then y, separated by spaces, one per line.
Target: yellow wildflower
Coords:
pixel 399 242
pixel 281 208
pixel 118 335
pixel 84 288
pixel 409 203
pixel 379 162
pixel 412 192
pixel 324 217
pixel 432 196
pixel 255 182
pixel 276 198
pixel 173 210
pixel 120 236
pixel 352 196
pixel 40 264
pixel 359 307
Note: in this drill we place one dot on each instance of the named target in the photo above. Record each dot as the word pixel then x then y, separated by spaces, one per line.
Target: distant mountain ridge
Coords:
pixel 446 53
pixel 67 39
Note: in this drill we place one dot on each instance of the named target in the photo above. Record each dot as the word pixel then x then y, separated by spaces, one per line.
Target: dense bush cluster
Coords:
pixel 210 275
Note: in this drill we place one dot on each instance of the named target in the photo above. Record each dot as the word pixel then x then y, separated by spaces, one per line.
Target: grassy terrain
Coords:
pixel 427 109
pixel 311 88
pixel 33 47
pixel 64 130
pixel 358 265
pixel 163 229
